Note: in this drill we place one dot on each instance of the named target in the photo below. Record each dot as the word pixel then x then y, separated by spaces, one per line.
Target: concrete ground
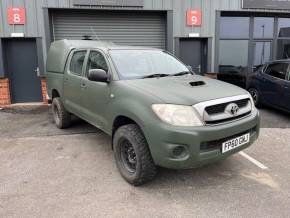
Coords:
pixel 46 172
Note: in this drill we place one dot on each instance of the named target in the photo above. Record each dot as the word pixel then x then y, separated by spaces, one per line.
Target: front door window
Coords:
pixel 96 61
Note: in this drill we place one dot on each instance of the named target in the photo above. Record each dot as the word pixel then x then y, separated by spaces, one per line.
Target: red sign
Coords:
pixel 16 16
pixel 193 18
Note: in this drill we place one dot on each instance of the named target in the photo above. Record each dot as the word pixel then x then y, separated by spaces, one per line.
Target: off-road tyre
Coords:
pixel 256 97
pixel 145 169
pixel 61 117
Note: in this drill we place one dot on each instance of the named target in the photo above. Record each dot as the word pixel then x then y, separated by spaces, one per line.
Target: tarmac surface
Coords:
pixel 47 172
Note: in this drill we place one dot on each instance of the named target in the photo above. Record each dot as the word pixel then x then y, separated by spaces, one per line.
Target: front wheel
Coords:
pixel 256 97
pixel 132 155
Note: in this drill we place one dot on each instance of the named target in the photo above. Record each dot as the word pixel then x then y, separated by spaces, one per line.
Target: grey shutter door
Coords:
pixel 121 27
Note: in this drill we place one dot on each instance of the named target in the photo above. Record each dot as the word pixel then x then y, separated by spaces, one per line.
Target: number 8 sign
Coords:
pixel 16 16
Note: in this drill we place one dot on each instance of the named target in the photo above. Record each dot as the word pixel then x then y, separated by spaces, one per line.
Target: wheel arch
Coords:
pixel 54 93
pixel 122 120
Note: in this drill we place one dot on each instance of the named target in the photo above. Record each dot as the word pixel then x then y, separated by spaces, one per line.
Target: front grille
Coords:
pixel 220 108
pixel 228 119
pixel 217 144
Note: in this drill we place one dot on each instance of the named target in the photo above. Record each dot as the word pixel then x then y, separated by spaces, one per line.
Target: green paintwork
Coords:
pixel 101 103
pixel 183 93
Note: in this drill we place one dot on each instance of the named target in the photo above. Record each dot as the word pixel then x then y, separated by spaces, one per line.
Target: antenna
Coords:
pixel 95 34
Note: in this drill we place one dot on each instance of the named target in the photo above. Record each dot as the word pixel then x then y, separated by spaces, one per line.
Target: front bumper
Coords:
pixel 203 144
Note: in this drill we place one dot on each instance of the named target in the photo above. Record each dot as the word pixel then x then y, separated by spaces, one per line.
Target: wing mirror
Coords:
pixel 98 75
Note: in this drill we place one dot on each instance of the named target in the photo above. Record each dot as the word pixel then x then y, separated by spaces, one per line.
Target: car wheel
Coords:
pixel 61 116
pixel 132 155
pixel 256 96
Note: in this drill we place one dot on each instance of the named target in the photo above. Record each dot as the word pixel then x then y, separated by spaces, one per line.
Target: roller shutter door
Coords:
pixel 121 27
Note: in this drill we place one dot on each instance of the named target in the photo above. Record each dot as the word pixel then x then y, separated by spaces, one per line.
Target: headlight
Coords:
pixel 177 115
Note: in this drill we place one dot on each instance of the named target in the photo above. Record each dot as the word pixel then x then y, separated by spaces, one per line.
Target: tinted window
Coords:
pixel 284 27
pixel 96 61
pixel 263 27
pixel 234 53
pixel 277 70
pixel 262 53
pixel 233 61
pixel 283 51
pixel 234 27
pixel 77 61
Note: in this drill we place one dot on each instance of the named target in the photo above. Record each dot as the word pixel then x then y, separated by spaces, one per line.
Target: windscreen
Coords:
pixel 135 64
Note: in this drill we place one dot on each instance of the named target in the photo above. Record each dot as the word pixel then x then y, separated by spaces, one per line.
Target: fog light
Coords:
pixel 179 151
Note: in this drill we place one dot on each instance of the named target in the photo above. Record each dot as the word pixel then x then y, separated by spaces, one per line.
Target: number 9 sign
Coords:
pixel 16 16
pixel 193 18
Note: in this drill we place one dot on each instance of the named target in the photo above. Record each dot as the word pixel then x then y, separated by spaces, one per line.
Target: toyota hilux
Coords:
pixel 156 110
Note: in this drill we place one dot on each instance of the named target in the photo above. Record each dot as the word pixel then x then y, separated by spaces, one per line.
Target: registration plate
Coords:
pixel 236 142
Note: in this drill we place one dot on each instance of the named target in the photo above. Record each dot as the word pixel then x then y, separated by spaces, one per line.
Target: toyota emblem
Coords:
pixel 232 109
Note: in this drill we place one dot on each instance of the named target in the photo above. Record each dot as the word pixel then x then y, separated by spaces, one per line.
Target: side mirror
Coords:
pixel 98 75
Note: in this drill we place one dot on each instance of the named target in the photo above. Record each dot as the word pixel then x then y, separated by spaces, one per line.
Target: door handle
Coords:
pixel 37 71
pixel 199 69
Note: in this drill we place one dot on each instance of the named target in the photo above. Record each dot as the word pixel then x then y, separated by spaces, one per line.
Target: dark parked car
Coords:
pixel 270 85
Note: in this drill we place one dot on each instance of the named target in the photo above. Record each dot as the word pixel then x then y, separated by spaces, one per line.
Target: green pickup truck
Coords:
pixel 157 111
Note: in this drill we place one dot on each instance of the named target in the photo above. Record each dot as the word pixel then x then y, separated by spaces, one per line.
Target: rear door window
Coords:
pixel 77 62
pixel 277 70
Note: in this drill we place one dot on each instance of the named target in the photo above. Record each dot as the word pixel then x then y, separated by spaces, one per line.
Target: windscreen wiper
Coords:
pixel 182 73
pixel 156 75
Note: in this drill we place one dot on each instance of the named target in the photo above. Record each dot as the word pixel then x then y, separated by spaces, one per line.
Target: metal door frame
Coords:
pixel 39 50
pixel 39 59
pixel 206 47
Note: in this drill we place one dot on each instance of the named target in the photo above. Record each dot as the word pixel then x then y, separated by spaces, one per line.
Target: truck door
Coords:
pixel 72 81
pixel 95 95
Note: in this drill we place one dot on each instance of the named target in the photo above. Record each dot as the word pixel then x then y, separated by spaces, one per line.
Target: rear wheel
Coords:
pixel 61 116
pixel 256 97
pixel 132 155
